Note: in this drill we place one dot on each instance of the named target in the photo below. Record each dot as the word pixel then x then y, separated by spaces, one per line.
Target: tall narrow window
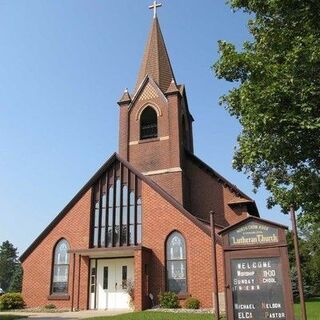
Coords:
pixel 116 209
pixel 93 280
pixel 60 268
pixel 124 277
pixel 139 217
pixel 110 218
pixel 105 278
pixel 176 263
pixel 148 124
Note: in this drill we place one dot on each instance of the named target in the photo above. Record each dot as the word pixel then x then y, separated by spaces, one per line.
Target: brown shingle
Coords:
pixel 156 62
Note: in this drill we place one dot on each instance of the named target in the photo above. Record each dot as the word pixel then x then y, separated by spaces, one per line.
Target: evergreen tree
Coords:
pixel 16 280
pixel 8 264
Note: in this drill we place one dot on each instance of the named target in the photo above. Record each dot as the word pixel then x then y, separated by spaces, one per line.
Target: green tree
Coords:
pixel 311 235
pixel 8 264
pixel 277 100
pixel 309 239
pixel 16 280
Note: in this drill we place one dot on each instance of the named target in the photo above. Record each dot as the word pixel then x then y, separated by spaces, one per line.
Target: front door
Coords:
pixel 114 280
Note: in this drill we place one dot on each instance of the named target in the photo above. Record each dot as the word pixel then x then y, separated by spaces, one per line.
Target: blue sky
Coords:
pixel 63 67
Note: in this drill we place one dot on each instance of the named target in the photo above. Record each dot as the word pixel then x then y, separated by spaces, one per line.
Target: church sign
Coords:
pixel 253 233
pixel 257 271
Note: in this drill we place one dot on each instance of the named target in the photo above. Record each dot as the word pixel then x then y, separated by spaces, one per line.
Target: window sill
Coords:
pixel 148 140
pixel 59 297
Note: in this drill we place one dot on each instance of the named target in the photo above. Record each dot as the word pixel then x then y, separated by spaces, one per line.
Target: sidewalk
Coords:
pixel 67 315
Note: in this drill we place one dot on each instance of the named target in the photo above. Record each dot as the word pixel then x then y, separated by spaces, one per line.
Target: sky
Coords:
pixel 63 67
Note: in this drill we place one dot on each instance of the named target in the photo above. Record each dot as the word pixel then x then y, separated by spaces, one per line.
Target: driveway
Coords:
pixel 69 315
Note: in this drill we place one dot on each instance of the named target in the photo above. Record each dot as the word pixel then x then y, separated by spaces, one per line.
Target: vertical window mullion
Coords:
pixel 107 210
pixel 93 210
pixel 128 209
pixel 114 205
pixel 100 212
pixel 135 209
pixel 121 204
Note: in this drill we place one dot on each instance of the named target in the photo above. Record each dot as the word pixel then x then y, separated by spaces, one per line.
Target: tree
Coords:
pixel 8 264
pixel 311 236
pixel 309 239
pixel 16 280
pixel 277 100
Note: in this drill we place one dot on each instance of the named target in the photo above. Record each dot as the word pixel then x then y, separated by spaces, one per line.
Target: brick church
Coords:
pixel 140 225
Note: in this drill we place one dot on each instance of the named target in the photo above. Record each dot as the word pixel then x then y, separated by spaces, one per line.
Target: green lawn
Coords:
pixel 313 309
pixel 151 315
pixel 313 313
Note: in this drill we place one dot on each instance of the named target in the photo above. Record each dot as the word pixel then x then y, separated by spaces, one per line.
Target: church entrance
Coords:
pixel 111 281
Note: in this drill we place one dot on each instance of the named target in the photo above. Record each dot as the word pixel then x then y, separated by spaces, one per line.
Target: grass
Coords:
pixel 312 305
pixel 313 309
pixel 153 315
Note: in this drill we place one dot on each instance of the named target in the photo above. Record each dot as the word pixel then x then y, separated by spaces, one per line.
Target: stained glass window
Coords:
pixel 176 263
pixel 60 268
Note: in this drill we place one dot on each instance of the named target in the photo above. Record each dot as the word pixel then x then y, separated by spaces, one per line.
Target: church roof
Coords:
pixel 156 62
pixel 245 199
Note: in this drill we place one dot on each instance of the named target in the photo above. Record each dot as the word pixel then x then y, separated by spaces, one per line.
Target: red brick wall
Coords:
pixel 160 219
pixel 172 183
pixel 160 153
pixel 207 194
pixel 74 227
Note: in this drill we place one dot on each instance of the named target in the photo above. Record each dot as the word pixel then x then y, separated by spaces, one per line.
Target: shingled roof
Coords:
pixel 156 62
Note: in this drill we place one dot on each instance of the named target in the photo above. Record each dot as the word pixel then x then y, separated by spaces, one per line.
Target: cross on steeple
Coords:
pixel 154 6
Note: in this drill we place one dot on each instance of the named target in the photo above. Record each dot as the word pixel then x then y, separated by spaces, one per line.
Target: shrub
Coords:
pixel 192 303
pixel 50 306
pixel 10 301
pixel 168 300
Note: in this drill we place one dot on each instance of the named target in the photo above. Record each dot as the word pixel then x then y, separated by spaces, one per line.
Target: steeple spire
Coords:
pixel 156 62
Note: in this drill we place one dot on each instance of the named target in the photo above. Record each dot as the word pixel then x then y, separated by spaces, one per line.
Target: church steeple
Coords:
pixel 155 124
pixel 156 63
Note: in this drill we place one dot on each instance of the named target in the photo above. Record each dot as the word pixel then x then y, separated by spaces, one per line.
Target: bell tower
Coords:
pixel 155 125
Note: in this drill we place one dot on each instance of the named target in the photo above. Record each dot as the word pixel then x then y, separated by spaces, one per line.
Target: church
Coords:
pixel 141 224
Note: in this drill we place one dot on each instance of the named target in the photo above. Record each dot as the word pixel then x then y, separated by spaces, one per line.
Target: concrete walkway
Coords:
pixel 68 315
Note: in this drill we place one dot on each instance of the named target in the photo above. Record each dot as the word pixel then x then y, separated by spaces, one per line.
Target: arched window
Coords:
pixel 176 263
pixel 60 268
pixel 148 124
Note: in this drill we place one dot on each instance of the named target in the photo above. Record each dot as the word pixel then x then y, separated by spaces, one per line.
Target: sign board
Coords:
pixel 257 271
pixel 253 233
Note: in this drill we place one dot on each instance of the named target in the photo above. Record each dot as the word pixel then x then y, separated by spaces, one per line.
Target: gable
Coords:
pixel 147 90
pixel 112 168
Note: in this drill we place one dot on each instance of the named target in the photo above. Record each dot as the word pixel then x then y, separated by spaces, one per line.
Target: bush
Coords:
pixel 168 300
pixel 192 303
pixel 50 306
pixel 10 301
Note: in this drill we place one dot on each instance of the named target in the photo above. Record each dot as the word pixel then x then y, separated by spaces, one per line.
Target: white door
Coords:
pixel 114 278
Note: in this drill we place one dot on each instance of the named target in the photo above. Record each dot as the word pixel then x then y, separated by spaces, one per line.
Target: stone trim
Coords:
pixel 133 143
pixel 155 172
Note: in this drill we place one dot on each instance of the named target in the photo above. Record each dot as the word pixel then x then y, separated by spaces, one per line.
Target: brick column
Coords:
pixel 138 278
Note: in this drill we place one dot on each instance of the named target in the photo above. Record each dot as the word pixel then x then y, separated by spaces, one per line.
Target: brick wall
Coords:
pixel 163 152
pixel 74 227
pixel 206 194
pixel 160 218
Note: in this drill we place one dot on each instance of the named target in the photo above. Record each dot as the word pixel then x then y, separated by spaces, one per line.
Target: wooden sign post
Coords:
pixel 257 271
